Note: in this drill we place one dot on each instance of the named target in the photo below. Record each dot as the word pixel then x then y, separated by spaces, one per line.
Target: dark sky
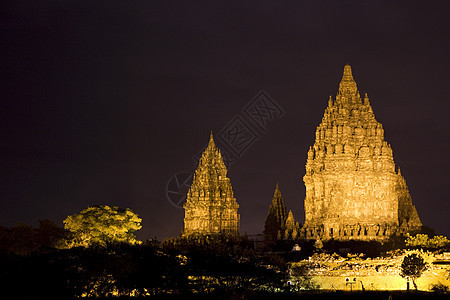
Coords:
pixel 102 102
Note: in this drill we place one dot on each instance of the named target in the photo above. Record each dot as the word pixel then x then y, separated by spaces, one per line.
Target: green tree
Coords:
pixel 423 241
pixel 413 265
pixel 102 225
pixel 438 241
pixel 419 240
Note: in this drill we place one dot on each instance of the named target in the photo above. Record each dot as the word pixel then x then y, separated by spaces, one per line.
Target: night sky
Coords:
pixel 103 102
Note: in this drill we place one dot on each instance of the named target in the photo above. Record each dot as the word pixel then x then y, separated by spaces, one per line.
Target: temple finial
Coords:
pixel 277 191
pixel 366 99
pixel 290 215
pixel 211 140
pixel 348 84
pixel 347 76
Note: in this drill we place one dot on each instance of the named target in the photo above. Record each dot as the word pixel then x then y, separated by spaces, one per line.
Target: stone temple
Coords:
pixel 353 191
pixel 275 224
pixel 210 207
pixel 279 225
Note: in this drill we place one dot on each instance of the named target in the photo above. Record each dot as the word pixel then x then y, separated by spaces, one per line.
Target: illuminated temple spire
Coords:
pixel 210 207
pixel 352 189
pixel 292 227
pixel 348 84
pixel 276 218
pixel 211 139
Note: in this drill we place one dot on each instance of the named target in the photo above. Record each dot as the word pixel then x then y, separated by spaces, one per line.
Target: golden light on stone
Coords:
pixel 210 207
pixel 352 188
pixel 380 273
pixel 292 227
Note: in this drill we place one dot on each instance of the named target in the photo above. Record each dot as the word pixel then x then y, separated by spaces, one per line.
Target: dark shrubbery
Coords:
pixel 23 239
pixel 179 268
pixel 33 268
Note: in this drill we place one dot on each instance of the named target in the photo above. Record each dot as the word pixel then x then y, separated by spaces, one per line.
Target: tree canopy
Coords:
pixel 102 225
pixel 423 241
pixel 413 265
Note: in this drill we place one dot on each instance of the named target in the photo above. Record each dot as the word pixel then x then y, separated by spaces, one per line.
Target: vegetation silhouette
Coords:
pixel 36 265
pixel 412 267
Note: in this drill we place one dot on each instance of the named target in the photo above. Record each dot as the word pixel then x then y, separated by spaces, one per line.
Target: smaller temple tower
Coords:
pixel 279 225
pixel 210 207
pixel 292 228
pixel 276 217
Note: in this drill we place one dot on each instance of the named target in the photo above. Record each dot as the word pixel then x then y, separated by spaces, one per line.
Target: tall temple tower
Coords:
pixel 275 224
pixel 352 188
pixel 210 207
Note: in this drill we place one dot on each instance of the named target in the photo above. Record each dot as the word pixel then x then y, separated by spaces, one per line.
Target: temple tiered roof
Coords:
pixel 352 188
pixel 210 207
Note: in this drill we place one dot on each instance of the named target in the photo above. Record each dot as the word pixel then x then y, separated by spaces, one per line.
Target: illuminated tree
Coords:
pixel 419 240
pixel 102 225
pixel 438 241
pixel 423 241
pixel 413 265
